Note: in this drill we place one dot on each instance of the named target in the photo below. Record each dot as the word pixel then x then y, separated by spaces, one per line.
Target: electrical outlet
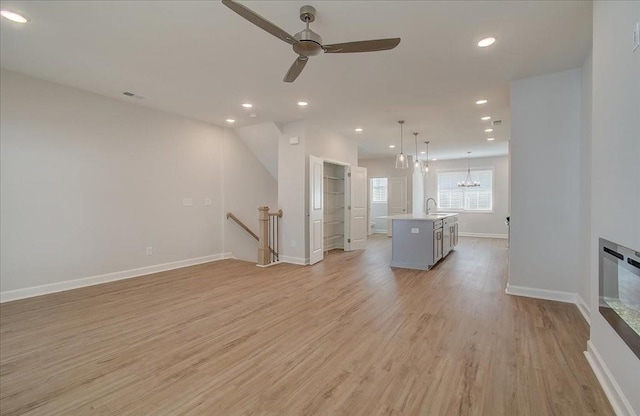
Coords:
pixel 149 251
pixel 208 202
pixel 187 202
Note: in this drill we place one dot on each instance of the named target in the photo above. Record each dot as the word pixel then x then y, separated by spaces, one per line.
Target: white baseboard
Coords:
pixel 294 260
pixel 584 309
pixel 482 235
pixel 618 400
pixel 530 292
pixel 273 263
pixel 30 292
pixel 379 231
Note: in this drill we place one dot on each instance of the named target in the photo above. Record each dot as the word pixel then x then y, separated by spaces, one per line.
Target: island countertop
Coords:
pixel 420 216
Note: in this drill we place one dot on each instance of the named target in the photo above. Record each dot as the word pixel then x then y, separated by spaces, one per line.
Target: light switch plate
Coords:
pixel 208 202
pixel 187 202
pixel 415 231
pixel 294 140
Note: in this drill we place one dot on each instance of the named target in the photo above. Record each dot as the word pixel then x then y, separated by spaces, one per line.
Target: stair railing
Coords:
pixel 268 234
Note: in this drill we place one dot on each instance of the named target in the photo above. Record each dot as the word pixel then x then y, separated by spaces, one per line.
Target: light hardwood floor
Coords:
pixel 348 336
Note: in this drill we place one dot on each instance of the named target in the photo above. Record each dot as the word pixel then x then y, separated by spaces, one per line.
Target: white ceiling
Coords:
pixel 201 60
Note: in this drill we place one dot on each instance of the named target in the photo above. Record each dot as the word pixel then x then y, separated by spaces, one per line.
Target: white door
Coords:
pixel 396 199
pixel 358 224
pixel 316 237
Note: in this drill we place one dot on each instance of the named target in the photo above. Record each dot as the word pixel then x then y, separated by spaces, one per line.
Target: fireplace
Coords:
pixel 619 276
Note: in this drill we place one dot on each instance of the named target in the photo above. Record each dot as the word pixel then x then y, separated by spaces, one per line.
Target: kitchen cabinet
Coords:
pixel 420 241
pixel 450 234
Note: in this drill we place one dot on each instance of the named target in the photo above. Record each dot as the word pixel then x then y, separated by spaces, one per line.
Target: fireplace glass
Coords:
pixel 620 291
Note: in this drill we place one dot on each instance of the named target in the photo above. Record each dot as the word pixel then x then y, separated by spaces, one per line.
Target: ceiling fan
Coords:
pixel 308 43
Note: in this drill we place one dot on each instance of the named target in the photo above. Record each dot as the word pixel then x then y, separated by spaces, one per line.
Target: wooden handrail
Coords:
pixel 241 224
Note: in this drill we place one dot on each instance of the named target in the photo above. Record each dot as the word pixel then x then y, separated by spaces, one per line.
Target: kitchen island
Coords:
pixel 419 241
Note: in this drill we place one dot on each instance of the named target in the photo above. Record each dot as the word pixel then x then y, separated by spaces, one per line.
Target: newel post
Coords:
pixel 263 233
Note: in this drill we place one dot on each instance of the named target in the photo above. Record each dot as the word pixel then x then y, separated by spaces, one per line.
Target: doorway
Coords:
pixel 378 204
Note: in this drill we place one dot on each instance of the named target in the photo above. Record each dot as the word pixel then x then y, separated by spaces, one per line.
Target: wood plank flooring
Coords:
pixel 348 336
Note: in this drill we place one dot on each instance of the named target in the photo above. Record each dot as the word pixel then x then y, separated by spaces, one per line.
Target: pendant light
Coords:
pixel 401 159
pixel 417 165
pixel 468 183
pixel 426 162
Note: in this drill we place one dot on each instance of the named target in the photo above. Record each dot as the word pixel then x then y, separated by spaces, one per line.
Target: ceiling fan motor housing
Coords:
pixel 309 43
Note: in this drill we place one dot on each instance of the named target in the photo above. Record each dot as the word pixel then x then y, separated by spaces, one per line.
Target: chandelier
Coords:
pixel 468 183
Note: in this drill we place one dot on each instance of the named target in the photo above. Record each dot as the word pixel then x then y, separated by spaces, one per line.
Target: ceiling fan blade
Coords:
pixel 259 21
pixel 362 46
pixel 295 68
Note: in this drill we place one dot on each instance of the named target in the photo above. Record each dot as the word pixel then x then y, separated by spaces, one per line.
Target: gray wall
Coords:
pixel 88 182
pixel 615 169
pixel 386 168
pixel 481 224
pixel 247 185
pixel 545 182
pixel 293 180
pixel 477 223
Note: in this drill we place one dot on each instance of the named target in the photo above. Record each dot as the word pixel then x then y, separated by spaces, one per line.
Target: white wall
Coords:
pixel 292 166
pixel 584 284
pixel 418 192
pixel 330 146
pixel 545 182
pixel 247 185
pixel 615 172
pixel 476 223
pixel 262 139
pixel 386 168
pixel 293 180
pixel 88 182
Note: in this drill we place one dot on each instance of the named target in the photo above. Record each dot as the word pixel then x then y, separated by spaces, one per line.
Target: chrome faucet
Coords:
pixel 434 203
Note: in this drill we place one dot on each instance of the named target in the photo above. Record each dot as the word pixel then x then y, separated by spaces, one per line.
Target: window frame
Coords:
pixel 386 192
pixel 463 210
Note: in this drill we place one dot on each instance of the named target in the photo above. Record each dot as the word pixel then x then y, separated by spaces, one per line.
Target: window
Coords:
pixel 379 190
pixel 450 197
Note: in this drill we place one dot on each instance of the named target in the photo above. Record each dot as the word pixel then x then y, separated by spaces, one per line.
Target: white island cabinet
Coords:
pixel 419 241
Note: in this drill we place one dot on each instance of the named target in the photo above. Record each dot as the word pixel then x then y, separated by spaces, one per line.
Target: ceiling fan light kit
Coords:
pixel 308 43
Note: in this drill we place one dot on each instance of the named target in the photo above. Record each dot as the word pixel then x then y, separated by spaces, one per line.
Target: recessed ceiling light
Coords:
pixel 303 103
pixel 481 102
pixel 434 159
pixel 13 16
pixel 392 146
pixel 486 42
pixel 485 118
pixel 230 121
pixel 247 105
pixel 359 130
pixel 491 139
pixel 422 153
pixel 488 130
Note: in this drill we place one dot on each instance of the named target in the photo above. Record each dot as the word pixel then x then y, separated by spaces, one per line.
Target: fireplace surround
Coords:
pixel 619 281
